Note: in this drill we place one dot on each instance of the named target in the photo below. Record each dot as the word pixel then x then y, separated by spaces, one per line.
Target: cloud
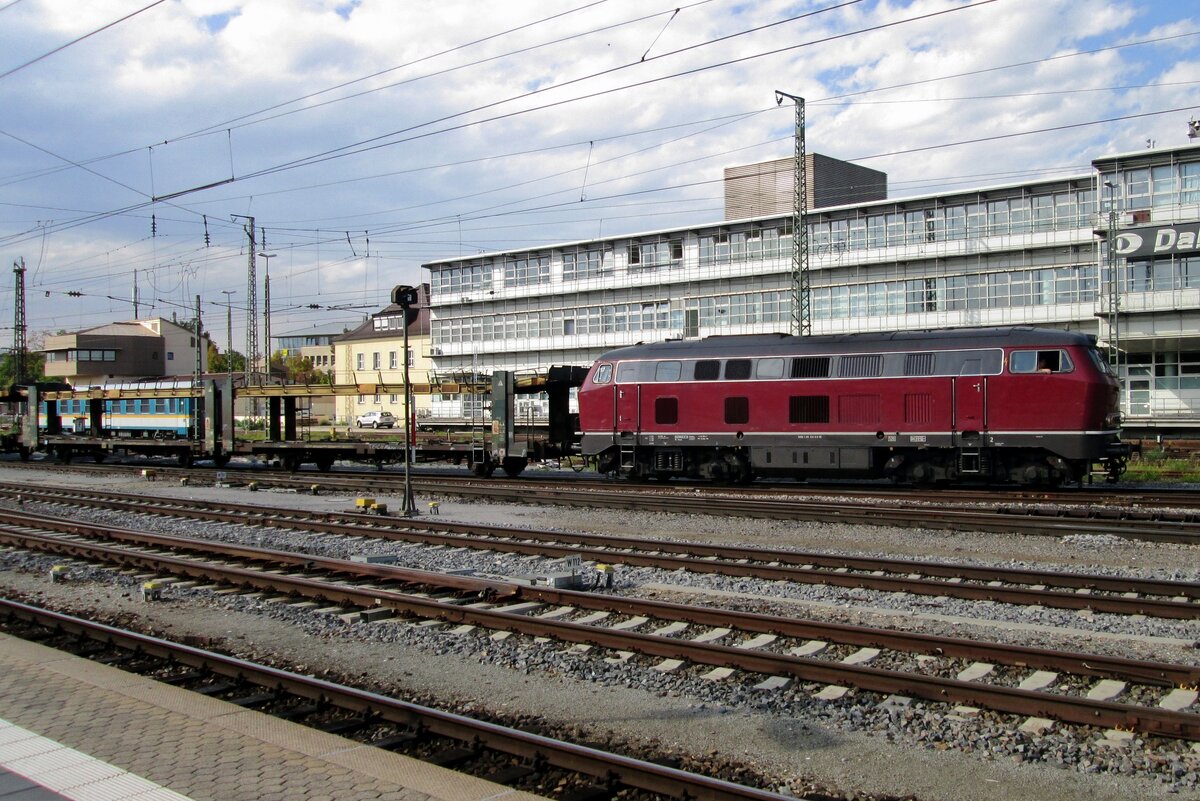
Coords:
pixel 200 92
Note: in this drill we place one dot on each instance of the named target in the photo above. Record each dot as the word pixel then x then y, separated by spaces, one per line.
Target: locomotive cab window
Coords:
pixel 603 374
pixel 1040 361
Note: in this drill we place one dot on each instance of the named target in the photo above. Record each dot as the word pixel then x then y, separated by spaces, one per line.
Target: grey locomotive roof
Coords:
pixel 787 345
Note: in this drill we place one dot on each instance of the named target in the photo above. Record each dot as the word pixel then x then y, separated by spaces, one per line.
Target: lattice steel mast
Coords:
pixel 20 331
pixel 801 284
pixel 251 304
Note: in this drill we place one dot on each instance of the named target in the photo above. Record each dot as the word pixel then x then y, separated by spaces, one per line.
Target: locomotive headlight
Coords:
pixel 1112 420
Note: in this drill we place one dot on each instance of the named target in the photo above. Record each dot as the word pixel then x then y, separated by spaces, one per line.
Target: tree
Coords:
pixel 190 325
pixel 297 369
pixel 224 361
pixel 35 363
pixel 35 369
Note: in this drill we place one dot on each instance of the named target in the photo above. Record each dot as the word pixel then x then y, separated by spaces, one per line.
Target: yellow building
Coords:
pixel 374 353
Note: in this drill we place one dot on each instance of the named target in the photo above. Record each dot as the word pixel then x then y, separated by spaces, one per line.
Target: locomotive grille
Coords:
pixel 810 367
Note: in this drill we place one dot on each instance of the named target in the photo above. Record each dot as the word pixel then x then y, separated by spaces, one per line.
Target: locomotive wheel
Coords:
pixel 324 463
pixel 24 453
pixel 484 469
pixel 291 463
pixel 184 458
pixel 222 460
pixel 738 469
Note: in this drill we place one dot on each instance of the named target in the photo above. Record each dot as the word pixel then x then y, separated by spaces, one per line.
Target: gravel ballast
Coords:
pixel 859 745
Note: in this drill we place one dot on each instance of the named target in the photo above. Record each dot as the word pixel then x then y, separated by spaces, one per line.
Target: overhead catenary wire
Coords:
pixel 495 212
pixel 227 126
pixel 876 156
pixel 76 40
pixel 1024 63
pixel 346 150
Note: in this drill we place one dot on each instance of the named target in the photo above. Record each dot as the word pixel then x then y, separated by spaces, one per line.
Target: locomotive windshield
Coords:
pixel 1101 363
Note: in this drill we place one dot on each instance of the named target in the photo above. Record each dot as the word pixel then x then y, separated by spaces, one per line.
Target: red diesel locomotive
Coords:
pixel 1021 405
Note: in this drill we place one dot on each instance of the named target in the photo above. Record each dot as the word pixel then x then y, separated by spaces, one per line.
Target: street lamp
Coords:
pixel 267 312
pixel 229 293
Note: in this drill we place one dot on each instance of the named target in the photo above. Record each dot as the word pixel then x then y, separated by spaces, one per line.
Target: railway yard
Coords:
pixel 831 642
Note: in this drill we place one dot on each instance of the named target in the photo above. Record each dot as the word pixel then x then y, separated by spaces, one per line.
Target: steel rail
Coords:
pixel 1154 526
pixel 1003 519
pixel 846 513
pixel 1026 702
pixel 770 564
pixel 602 765
pixel 1105 502
pixel 1156 673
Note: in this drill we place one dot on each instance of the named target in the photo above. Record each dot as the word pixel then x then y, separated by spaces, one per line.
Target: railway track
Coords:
pixel 1128 520
pixel 499 753
pixel 1100 501
pixel 1063 590
pixel 776 650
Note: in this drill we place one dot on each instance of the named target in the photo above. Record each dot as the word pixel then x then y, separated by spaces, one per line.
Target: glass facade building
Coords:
pixel 1031 253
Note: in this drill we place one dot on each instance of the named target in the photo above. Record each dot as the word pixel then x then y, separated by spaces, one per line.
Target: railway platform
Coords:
pixel 72 728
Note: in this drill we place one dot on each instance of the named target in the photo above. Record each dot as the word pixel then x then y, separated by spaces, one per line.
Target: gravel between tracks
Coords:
pixel 857 745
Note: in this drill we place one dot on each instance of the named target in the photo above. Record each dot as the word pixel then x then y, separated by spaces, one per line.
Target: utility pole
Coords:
pixel 197 371
pixel 801 284
pixel 267 308
pixel 228 293
pixel 20 332
pixel 136 305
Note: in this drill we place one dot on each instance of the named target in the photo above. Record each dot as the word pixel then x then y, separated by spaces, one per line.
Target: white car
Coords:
pixel 375 420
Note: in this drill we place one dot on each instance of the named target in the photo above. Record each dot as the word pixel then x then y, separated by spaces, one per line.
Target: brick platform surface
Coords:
pixel 204 748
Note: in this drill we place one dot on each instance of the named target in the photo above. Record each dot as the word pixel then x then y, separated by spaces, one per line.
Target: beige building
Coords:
pixel 134 349
pixel 374 353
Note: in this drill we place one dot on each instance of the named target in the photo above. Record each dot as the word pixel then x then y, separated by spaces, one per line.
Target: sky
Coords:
pixel 368 137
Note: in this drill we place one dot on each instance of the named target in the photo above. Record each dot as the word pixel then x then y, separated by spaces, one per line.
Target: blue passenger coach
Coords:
pixel 154 418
